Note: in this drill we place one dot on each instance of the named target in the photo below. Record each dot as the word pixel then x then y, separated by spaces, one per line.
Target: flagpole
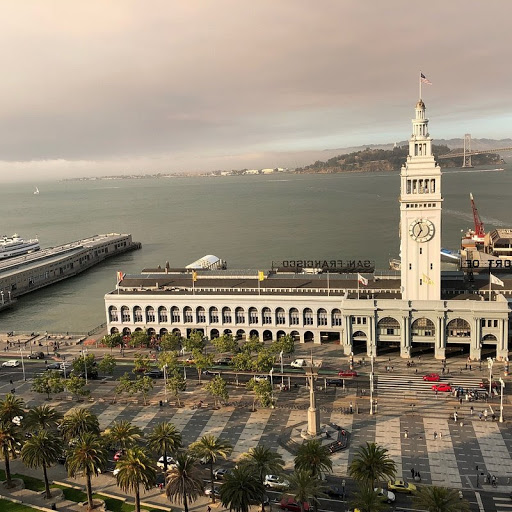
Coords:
pixel 357 286
pixel 420 84
pixel 328 288
pixel 490 283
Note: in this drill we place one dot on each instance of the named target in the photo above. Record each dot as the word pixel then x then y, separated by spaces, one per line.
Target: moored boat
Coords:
pixel 14 245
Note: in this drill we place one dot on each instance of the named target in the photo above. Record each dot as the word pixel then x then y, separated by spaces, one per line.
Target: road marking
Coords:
pixel 479 501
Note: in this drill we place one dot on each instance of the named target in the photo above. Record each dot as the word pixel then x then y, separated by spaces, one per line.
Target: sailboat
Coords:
pixel 36 191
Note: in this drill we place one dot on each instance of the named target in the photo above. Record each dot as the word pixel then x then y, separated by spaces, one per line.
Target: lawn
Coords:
pixel 9 506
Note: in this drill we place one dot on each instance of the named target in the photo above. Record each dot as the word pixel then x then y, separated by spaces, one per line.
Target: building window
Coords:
pixel 137 314
pixel 459 328
pixel 280 316
pixel 113 313
pixel 240 315
pixel 150 314
pixel 358 320
pixel 162 314
pixel 388 326
pixel 336 317
pixel 308 317
pixel 175 314
pixel 253 316
pixel 226 315
pixel 201 315
pixel 294 316
pixel 267 316
pixel 322 317
pixel 188 316
pixel 214 315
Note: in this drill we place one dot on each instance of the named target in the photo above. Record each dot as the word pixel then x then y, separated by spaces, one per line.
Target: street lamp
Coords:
pixel 282 376
pixel 271 373
pixel 84 353
pixel 371 383
pixel 501 400
pixel 164 368
pixel 490 362
pixel 22 364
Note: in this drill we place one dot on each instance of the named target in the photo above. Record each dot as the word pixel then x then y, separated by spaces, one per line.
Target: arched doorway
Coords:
pixel 214 333
pixel 309 337
pixel 240 334
pixel 127 331
pixel 296 336
pixel 163 331
pixel 267 335
pixel 254 333
pixel 423 333
pixel 280 334
pixel 488 345
pixel 114 330
pixel 388 336
pixel 359 342
pixel 458 337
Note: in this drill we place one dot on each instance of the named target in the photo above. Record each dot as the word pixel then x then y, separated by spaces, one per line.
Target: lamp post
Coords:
pixel 271 373
pixel 84 353
pixel 282 376
pixel 23 364
pixel 371 383
pixel 165 382
pixel 501 400
pixel 490 362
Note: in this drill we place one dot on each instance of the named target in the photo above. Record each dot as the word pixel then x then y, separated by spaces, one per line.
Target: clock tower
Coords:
pixel 420 215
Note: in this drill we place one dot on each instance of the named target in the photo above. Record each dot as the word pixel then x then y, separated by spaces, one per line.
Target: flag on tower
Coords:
pixel 261 275
pixel 362 280
pixel 120 276
pixel 427 279
pixel 194 276
pixel 495 280
pixel 424 79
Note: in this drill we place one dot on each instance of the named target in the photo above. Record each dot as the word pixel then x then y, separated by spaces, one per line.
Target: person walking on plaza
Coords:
pixel 412 472
pixel 485 414
pixel 435 437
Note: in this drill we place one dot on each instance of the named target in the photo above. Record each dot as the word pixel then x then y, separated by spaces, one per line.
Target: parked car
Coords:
pixel 220 473
pixel 347 373
pixel 485 384
pixel 432 377
pixel 154 374
pixel 334 492
pixel 259 378
pixel 223 361
pixel 445 388
pixel 160 480
pixel 208 492
pixel 275 482
pixel 401 486
pixel 298 363
pixel 53 366
pixel 334 382
pixel 291 505
pixel 385 495
pixel 11 363
pixel 36 355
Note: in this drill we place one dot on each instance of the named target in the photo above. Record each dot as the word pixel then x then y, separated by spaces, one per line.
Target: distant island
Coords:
pixel 364 160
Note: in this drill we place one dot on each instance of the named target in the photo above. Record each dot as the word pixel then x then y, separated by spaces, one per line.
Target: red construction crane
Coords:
pixel 479 225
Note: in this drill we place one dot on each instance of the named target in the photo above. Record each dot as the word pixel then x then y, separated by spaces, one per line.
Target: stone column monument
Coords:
pixel 313 412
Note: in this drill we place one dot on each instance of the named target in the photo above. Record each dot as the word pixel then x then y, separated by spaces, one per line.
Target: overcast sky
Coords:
pixel 107 87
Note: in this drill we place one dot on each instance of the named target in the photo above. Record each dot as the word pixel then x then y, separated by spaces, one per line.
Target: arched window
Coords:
pixel 388 326
pixel 336 317
pixel 114 330
pixel 150 314
pixel 188 317
pixel 162 314
pixel 294 316
pixel 226 315
pixel 267 316
pixel 214 315
pixel 459 328
pixel 280 316
pixel 240 316
pixel 423 327
pixel 125 314
pixel 137 314
pixel 112 314
pixel 308 316
pixel 175 314
pixel 489 338
pixel 322 316
pixel 253 316
pixel 201 315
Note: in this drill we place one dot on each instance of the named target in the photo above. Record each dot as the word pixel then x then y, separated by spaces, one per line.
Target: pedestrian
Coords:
pixel 440 435
pixel 471 410
pixel 416 371
pixel 466 366
pixel 435 436
pixel 209 509
pixel 418 476
pixel 485 414
pixel 351 408
pixel 470 367
pixel 412 472
pixel 443 370
pixel 435 391
pixel 480 416
pixel 460 400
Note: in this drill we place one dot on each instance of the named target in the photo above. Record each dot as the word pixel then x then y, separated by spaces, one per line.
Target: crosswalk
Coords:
pixel 502 503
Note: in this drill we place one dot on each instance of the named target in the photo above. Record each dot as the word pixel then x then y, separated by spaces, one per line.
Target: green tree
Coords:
pixel 42 417
pixel 84 363
pixel 176 383
pixel 107 365
pixel 143 385
pixel 123 434
pixel 112 340
pixel 10 407
pixel 262 391
pixel 124 385
pixel 164 440
pixel 10 439
pixel 76 386
pixel 264 361
pixel 304 487
pixel 42 451
pixel 370 464
pixel 225 343
pixel 195 341
pixel 242 362
pixel 253 344
pixel 136 469
pixel 79 421
pixel 184 480
pixel 312 456
pixel 211 448
pixel 169 359
pixel 263 461
pixel 203 361
pixel 49 382
pixel 440 499
pixel 367 500
pixel 140 339
pixel 141 363
pixel 286 344
pixel 218 388
pixel 170 341
pixel 87 456
pixel 241 489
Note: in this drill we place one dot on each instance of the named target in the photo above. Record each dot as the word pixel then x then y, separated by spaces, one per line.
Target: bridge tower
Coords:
pixel 466 161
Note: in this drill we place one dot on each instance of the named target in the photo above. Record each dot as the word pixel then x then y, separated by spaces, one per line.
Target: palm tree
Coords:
pixel 241 489
pixel 87 456
pixel 371 464
pixel 440 499
pixel 367 500
pixel 79 421
pixel 136 469
pixel 263 461
pixel 122 434
pixel 164 439
pixel 41 451
pixel 304 487
pixel 10 407
pixel 210 448
pixel 314 457
pixel 184 480
pixel 9 443
pixel 42 417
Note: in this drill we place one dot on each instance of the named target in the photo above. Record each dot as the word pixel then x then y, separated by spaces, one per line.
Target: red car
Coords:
pixel 432 377
pixel 291 505
pixel 347 373
pixel 485 384
pixel 442 387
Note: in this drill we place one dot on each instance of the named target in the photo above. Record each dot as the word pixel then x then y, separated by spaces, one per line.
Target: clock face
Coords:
pixel 422 230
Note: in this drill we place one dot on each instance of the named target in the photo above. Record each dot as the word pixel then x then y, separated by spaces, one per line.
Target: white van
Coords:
pixel 298 363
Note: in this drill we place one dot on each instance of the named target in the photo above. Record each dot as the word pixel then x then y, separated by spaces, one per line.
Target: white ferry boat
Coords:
pixel 11 246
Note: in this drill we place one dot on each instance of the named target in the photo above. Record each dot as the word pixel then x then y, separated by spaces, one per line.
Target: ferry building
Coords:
pixel 419 308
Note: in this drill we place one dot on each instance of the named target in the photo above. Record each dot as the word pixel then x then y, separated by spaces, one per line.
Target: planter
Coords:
pixel 98 505
pixel 17 484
